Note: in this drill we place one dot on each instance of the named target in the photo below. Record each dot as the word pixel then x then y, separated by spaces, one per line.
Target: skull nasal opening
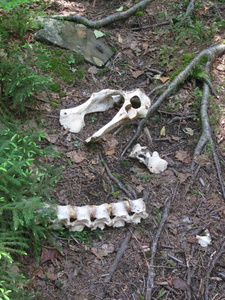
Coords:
pixel 135 102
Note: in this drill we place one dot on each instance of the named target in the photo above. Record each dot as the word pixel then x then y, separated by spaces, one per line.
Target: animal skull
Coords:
pixel 135 105
pixel 115 214
pixel 154 163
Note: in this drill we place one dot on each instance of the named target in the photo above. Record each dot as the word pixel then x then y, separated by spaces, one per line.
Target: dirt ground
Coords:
pixel 181 264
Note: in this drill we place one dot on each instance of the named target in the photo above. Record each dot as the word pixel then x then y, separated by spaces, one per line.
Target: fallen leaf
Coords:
pixel 182 176
pixel 105 250
pixel 52 276
pixel 183 156
pixel 119 9
pixel 39 273
pixel 137 73
pixel 93 70
pixel 178 284
pixel 202 159
pixel 120 39
pixel 163 131
pixel 76 156
pixel 98 34
pixel 50 254
pixel 189 131
pixel 164 79
pixel 192 240
pixel 110 145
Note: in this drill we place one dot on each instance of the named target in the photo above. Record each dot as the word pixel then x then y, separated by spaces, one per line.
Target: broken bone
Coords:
pixel 153 162
pixel 73 118
pixel 135 105
pixel 75 218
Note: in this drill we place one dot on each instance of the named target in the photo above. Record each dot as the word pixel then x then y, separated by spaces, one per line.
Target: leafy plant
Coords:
pixel 25 183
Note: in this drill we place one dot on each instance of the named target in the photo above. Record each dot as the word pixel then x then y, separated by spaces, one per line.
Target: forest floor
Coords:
pixel 181 264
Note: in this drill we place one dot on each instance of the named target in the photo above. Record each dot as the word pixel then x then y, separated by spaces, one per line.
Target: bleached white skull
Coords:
pixel 153 162
pixel 135 105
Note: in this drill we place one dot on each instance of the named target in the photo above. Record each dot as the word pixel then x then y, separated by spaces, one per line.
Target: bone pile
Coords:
pixel 75 218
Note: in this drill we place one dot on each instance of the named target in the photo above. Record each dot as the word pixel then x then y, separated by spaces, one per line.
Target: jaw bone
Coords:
pixel 136 105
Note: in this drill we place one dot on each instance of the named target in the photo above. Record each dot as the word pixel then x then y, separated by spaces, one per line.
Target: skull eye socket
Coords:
pixel 135 102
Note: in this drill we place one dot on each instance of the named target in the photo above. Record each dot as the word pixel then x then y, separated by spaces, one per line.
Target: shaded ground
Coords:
pixel 197 202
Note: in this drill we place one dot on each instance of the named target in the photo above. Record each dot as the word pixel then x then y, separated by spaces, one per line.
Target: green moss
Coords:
pixel 139 14
pixel 55 87
pixel 103 71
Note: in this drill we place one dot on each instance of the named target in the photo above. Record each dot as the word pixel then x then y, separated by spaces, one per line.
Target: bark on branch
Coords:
pixel 107 20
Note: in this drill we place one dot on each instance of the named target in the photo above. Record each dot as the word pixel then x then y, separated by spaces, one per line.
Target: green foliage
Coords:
pixel 20 78
pixel 10 4
pixel 25 183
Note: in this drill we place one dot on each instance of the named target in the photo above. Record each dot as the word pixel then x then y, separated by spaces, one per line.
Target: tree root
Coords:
pixel 105 21
pixel 206 131
pixel 151 272
pixel 211 266
pixel 212 53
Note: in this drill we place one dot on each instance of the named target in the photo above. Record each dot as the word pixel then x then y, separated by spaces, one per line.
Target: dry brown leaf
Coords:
pixel 191 240
pixel 137 73
pixel 76 156
pixel 164 79
pixel 178 284
pixel 50 254
pixel 182 176
pixel 183 156
pixel 105 250
pixel 202 160
pixel 39 273
pixel 111 145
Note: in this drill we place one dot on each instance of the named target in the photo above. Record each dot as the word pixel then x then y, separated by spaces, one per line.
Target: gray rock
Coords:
pixel 75 37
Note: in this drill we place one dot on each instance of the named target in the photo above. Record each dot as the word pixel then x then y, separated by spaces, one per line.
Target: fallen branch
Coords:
pixel 131 195
pixel 115 263
pixel 212 54
pixel 151 272
pixel 211 266
pixel 206 131
pixel 107 20
pixel 189 10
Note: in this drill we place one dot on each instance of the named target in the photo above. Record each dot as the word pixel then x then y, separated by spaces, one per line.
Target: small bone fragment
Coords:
pixel 153 162
pixel 97 216
pixel 204 240
pixel 73 118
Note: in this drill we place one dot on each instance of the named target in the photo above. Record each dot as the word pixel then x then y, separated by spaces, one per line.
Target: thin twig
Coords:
pixel 151 272
pixel 211 266
pixel 116 261
pixel 105 21
pixel 131 195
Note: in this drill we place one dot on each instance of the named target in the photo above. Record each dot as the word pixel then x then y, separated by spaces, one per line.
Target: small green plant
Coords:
pixel 25 183
pixel 77 144
pixel 93 119
pixel 144 178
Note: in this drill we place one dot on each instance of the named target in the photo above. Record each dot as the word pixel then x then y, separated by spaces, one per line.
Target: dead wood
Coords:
pixel 107 20
pixel 151 266
pixel 212 53
pixel 211 266
pixel 130 195
pixel 189 10
pixel 113 267
pixel 206 131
